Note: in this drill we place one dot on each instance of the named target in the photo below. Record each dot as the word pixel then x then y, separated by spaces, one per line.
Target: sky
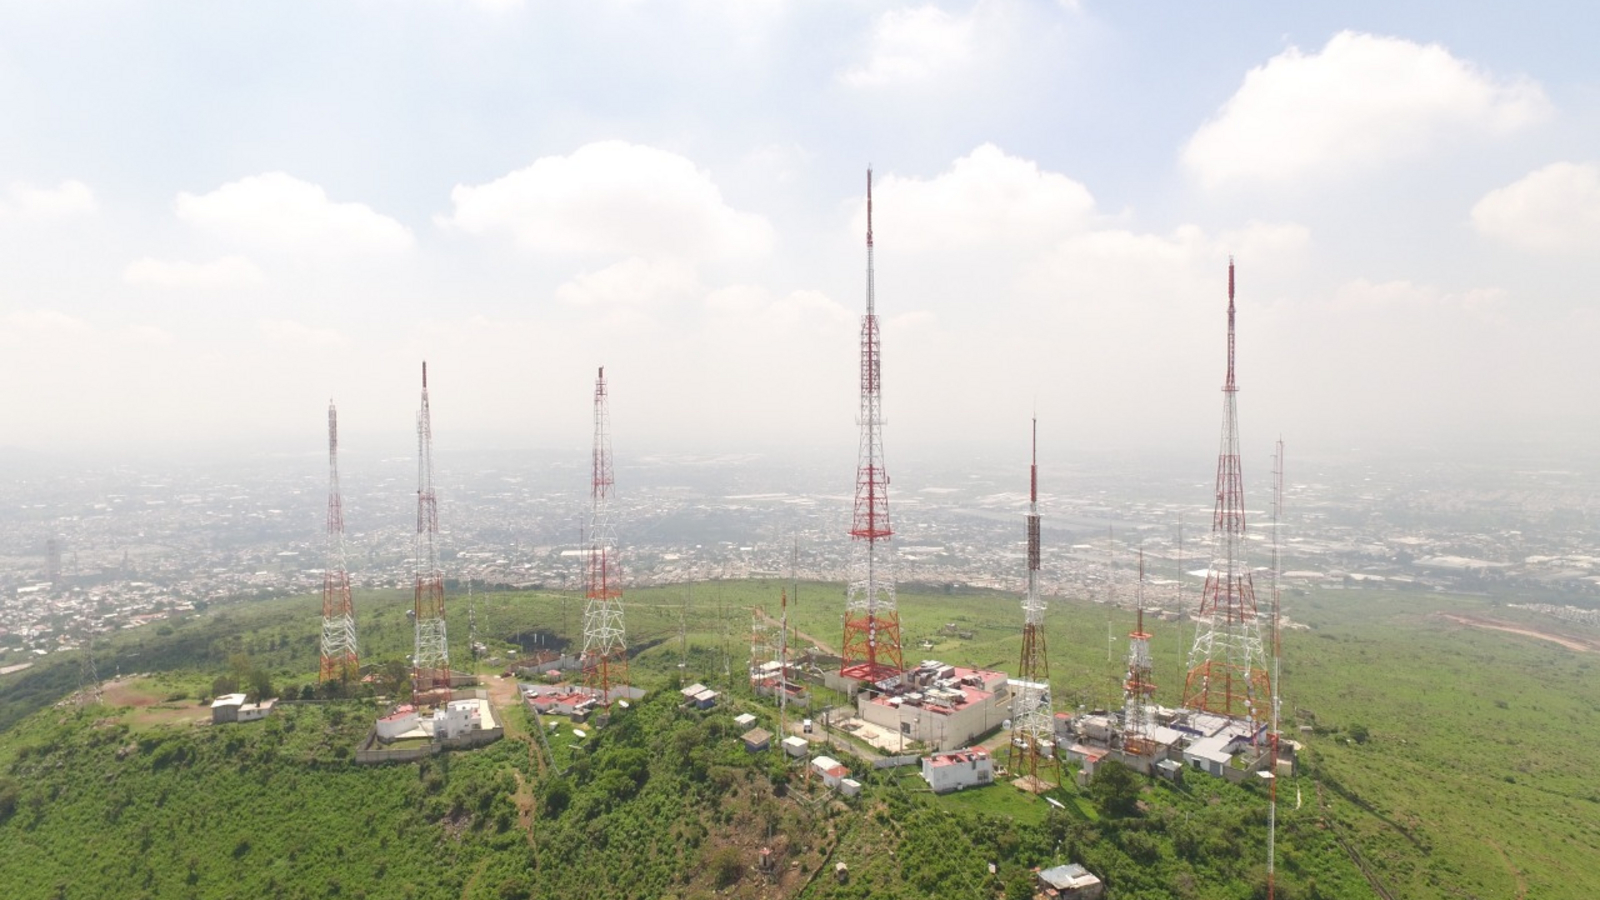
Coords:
pixel 216 217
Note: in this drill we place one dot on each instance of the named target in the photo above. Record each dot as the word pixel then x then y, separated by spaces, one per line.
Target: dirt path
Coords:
pixel 1522 883
pixel 825 648
pixel 1571 643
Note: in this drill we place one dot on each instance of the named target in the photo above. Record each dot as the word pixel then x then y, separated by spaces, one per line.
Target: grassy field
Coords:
pixel 1475 778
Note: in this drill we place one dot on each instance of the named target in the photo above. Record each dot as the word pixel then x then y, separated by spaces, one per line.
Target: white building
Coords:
pixel 457 718
pixel 232 708
pixel 400 722
pixel 940 705
pixel 795 746
pixel 831 770
pixel 947 772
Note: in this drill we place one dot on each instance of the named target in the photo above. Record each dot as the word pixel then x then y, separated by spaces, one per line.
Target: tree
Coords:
pixel 1115 788
pixel 1358 733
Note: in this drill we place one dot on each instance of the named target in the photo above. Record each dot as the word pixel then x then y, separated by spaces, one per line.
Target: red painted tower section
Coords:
pixel 605 646
pixel 340 657
pixel 871 648
pixel 1227 673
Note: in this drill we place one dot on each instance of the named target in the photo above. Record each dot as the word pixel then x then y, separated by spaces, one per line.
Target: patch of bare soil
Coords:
pixel 1571 643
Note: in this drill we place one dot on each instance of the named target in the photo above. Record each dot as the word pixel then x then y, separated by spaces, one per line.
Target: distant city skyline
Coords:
pixel 217 219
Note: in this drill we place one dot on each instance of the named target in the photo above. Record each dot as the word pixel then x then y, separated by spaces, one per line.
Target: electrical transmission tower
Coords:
pixel 88 675
pixel 340 658
pixel 430 663
pixel 1032 723
pixel 871 646
pixel 1138 690
pixel 605 642
pixel 1226 664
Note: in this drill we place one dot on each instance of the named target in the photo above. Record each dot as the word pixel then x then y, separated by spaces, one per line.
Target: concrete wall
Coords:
pixel 370 752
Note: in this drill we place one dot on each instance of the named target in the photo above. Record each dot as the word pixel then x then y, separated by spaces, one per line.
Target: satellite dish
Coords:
pixel 578 733
pixel 622 703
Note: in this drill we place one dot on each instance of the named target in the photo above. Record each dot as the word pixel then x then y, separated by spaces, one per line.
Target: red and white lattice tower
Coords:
pixel 430 662
pixel 605 641
pixel 871 648
pixel 340 657
pixel 1032 723
pixel 1138 689
pixel 1227 664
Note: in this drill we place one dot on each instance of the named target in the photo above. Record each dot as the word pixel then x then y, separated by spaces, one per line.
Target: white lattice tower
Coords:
pixel 605 644
pixel 1138 689
pixel 1227 664
pixel 430 662
pixel 340 654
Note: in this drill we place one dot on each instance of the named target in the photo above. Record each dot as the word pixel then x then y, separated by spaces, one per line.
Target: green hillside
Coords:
pixel 1451 761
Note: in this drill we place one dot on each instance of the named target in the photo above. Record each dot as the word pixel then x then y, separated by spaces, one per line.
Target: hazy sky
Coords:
pixel 217 216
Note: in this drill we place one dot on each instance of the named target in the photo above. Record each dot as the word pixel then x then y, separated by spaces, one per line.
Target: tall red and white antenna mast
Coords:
pixel 1277 667
pixel 871 649
pixel 430 662
pixel 1227 674
pixel 1032 724
pixel 340 659
pixel 605 643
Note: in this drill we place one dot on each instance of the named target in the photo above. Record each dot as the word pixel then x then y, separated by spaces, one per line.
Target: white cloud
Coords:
pixel 1554 209
pixel 24 326
pixel 755 309
pixel 612 197
pixel 146 336
pixel 910 45
pixel 276 211
pixel 633 282
pixel 227 272
pixel 1362 101
pixel 985 197
pixel 69 198
pixel 291 333
pixel 1363 296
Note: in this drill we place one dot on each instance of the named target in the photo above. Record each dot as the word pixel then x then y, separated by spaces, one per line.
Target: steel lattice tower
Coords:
pixel 871 647
pixel 88 674
pixel 430 665
pixel 1138 690
pixel 605 642
pixel 1032 723
pixel 1227 673
pixel 340 658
